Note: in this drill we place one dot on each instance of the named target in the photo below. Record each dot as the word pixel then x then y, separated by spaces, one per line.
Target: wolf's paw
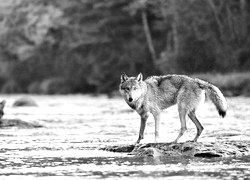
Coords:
pixel 174 142
pixel 157 140
pixel 137 143
pixel 192 141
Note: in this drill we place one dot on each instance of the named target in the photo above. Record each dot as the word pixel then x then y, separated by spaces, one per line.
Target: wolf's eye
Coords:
pixel 134 88
pixel 126 89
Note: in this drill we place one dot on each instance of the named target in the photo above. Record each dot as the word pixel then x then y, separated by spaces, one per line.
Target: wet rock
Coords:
pixel 7 123
pixel 197 149
pixel 148 151
pixel 24 101
pixel 119 148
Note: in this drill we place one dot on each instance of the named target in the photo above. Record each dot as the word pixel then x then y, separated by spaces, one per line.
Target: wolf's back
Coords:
pixel 216 97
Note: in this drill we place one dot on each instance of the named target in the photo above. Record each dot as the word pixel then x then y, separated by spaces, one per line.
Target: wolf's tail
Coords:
pixel 216 97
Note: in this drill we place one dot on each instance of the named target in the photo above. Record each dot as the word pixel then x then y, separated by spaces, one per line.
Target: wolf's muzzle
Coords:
pixel 130 99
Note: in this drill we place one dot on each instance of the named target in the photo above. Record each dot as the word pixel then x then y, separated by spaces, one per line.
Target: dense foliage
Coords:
pixel 72 46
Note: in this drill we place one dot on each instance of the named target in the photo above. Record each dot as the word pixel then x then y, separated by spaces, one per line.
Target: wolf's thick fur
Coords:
pixel 160 92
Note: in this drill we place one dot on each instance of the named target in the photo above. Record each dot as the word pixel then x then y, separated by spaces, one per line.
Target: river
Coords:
pixel 76 126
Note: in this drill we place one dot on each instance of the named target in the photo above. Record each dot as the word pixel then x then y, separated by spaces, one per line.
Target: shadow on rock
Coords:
pixel 203 150
pixel 8 123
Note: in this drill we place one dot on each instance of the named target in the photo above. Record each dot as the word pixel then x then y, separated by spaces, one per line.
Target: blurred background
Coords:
pixel 83 46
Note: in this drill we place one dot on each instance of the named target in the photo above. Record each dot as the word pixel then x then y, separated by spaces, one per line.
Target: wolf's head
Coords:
pixel 131 88
pixel 2 104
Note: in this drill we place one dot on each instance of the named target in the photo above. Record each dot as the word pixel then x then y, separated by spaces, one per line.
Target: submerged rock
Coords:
pixel 5 123
pixel 197 149
pixel 24 101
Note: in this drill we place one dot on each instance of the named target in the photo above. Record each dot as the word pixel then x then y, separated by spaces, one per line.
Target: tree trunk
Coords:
pixel 217 19
pixel 148 37
pixel 244 18
pixel 176 44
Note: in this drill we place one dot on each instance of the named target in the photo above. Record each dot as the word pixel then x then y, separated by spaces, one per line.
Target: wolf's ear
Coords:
pixel 124 77
pixel 139 77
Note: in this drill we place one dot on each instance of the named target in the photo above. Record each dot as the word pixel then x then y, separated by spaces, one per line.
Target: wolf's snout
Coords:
pixel 130 99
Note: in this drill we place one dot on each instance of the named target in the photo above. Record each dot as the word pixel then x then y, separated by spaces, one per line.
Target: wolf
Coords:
pixel 2 104
pixel 157 93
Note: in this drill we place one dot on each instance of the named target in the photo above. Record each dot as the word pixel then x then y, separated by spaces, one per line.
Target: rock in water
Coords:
pixel 197 149
pixel 7 123
pixel 24 101
pixel 119 148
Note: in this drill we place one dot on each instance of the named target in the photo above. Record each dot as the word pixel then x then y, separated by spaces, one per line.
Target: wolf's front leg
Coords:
pixel 144 117
pixel 157 117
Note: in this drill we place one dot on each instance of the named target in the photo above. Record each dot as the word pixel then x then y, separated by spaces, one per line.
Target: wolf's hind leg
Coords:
pixel 198 125
pixel 144 117
pixel 182 115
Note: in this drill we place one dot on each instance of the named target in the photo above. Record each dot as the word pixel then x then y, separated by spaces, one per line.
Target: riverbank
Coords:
pixel 231 84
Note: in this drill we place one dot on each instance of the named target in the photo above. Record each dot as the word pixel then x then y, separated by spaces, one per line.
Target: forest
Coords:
pixel 83 46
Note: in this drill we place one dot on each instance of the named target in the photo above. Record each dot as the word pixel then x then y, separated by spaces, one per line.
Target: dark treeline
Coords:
pixel 82 46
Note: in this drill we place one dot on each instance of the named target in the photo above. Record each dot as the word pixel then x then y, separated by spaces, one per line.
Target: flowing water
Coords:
pixel 75 126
